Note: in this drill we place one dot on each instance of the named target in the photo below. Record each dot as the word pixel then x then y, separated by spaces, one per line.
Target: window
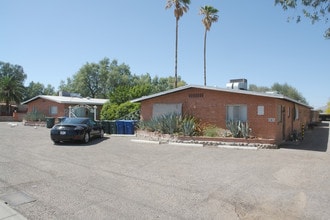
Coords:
pixel 236 113
pixel 53 110
pixel 296 111
pixel 164 109
pixel 279 113
pixel 261 110
pixel 34 109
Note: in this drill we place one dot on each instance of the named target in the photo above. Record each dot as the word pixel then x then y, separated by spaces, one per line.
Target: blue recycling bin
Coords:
pixel 120 126
pixel 129 126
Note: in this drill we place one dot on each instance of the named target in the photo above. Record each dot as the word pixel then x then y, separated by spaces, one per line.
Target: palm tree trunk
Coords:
pixel 205 56
pixel 176 54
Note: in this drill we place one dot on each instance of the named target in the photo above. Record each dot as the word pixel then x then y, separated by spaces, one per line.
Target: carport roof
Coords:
pixel 246 92
pixel 69 100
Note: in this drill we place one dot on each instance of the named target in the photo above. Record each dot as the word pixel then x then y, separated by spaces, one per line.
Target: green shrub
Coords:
pixel 127 110
pixel 211 131
pixel 35 116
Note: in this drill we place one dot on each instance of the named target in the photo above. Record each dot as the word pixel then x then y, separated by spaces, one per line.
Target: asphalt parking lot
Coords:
pixel 117 178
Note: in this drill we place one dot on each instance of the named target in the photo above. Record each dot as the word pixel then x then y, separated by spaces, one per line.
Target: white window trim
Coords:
pixel 242 113
pixel 53 110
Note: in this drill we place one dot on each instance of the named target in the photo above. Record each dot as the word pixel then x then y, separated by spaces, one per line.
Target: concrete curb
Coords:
pixel 237 147
pixel 193 144
pixel 145 141
pixel 186 144
pixel 165 142
pixel 7 213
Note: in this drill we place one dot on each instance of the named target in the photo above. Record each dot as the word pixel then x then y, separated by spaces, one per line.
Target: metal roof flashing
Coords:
pixel 246 92
pixel 69 100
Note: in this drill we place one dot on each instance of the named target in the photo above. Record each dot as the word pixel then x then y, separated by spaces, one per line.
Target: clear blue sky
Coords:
pixel 51 40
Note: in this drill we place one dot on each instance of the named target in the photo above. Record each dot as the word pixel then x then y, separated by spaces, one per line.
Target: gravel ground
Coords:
pixel 117 178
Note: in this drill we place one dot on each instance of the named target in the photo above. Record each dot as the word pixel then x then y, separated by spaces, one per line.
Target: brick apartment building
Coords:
pixel 60 106
pixel 270 115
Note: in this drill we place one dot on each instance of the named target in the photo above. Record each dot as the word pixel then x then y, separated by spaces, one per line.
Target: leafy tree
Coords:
pixel 284 89
pixel 97 80
pixel 255 88
pixel 127 109
pixel 49 90
pixel 66 86
pixel 113 111
pixel 180 7
pixel 107 79
pixel 289 91
pixel 327 110
pixel 315 10
pixel 125 93
pixel 164 84
pixel 11 83
pixel 87 80
pixel 35 89
pixel 12 70
pixel 119 75
pixel 210 16
pixel 109 111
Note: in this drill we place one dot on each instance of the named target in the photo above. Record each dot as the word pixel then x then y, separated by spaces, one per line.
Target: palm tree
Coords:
pixel 210 16
pixel 181 7
pixel 11 89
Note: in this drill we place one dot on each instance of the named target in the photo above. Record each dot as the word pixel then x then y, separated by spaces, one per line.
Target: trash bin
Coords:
pixel 129 126
pixel 50 122
pixel 120 127
pixel 106 126
pixel 112 127
pixel 60 119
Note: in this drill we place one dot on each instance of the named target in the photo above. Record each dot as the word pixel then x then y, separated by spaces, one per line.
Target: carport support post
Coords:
pixel 95 107
pixel 70 109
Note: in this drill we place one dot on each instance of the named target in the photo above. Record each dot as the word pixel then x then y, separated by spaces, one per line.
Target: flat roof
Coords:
pixel 69 100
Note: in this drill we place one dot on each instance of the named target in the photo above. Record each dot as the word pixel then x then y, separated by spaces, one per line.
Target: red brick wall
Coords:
pixel 43 106
pixel 210 107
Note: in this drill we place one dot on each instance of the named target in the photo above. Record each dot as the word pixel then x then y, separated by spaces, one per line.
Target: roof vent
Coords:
pixel 239 84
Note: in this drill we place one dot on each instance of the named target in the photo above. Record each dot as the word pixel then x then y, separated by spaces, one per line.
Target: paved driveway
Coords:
pixel 116 178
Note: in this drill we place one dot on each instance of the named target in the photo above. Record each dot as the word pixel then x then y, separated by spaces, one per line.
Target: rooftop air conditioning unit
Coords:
pixel 238 84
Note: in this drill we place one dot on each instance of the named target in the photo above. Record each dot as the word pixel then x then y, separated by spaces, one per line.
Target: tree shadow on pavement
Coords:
pixel 315 139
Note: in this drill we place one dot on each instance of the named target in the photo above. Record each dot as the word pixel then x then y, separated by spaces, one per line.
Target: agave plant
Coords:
pixel 169 123
pixel 238 128
pixel 188 126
